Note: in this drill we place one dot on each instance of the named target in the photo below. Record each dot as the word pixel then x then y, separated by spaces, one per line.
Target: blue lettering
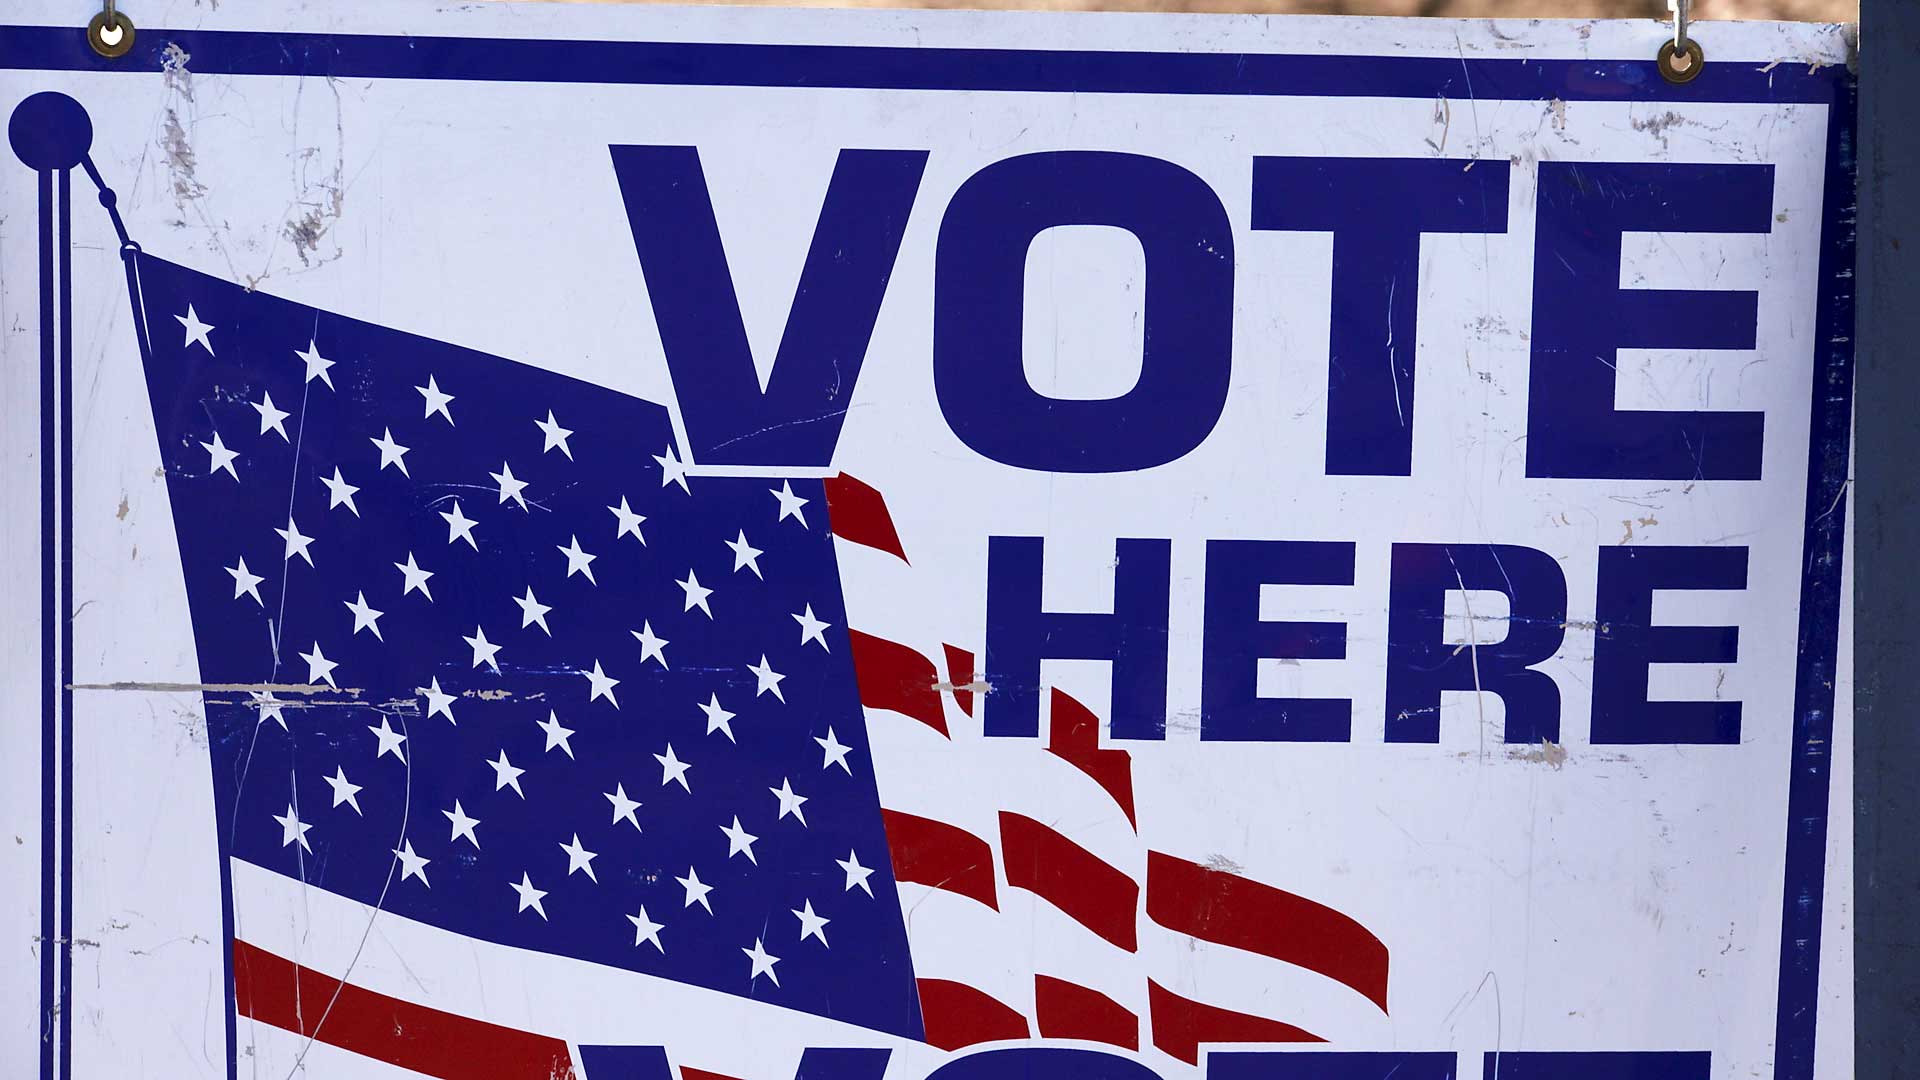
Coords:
pixel 979 296
pixel 1376 209
pixel 1582 318
pixel 796 420
pixel 1020 635
pixel 1628 642
pixel 1237 640
pixel 1421 664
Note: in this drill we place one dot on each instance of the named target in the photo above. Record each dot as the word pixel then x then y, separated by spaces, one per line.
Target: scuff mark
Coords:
pixel 1547 752
pixel 217 688
pixel 1629 524
pixel 180 162
pixel 320 200
pixel 121 514
pixel 1221 864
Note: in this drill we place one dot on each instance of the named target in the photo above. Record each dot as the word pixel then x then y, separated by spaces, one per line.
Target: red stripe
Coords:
pixel 274 990
pixel 1231 910
pixel 892 676
pixel 857 513
pixel 1074 737
pixel 960 676
pixel 957 1015
pixel 937 854
pixel 1069 1011
pixel 1069 877
pixel 688 1073
pixel 1180 1025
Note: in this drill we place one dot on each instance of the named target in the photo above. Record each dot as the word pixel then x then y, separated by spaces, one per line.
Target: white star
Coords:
pixel 746 556
pixel 196 330
pixel 529 896
pixel 789 802
pixel 416 577
pixel 484 651
pixel 219 457
pixel 578 561
pixel 739 840
pixel 763 962
pixel 602 685
pixel 319 667
pixel 579 858
pixel 344 790
pixel 436 401
pixel 651 645
pixel 292 829
pixel 391 453
pixel 270 417
pixel 271 708
pixel 673 770
pixel 365 617
pixel 718 719
pixel 459 526
pixel 811 925
pixel 812 629
pixel 557 735
pixel 412 865
pixel 556 435
pixel 766 679
pixel 696 596
pixel 645 929
pixel 696 890
pixel 506 776
pixel 510 486
pixel 627 521
pixel 390 741
pixel 317 365
pixel 623 807
pixel 533 612
pixel 246 583
pixel 856 874
pixel 672 470
pixel 462 824
pixel 296 543
pixel 339 491
pixel 790 504
pixel 439 702
pixel 836 752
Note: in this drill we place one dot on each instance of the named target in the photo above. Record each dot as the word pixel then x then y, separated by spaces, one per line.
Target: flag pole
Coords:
pixel 51 133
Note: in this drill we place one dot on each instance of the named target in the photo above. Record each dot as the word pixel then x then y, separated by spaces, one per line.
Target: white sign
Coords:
pixel 560 542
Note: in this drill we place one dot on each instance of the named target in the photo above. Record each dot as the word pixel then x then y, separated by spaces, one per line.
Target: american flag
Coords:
pixel 481 654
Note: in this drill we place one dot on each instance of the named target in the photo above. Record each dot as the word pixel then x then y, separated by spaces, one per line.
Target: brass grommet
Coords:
pixel 1681 65
pixel 111 34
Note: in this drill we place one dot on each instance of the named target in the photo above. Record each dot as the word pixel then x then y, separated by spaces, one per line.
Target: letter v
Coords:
pixel 796 419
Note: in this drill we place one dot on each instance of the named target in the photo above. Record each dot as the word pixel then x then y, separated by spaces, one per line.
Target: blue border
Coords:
pixel 213 52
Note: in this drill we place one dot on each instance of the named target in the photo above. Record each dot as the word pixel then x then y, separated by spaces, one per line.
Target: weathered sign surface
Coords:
pixel 633 543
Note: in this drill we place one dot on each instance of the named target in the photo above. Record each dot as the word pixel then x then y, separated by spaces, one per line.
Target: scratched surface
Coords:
pixel 1554 894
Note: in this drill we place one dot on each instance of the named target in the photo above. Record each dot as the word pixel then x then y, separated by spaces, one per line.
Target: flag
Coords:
pixel 480 654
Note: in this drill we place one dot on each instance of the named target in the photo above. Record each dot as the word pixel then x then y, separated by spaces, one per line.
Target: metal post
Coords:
pixel 1886 586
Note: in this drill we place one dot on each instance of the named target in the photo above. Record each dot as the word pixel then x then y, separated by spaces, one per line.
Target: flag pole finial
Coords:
pixel 50 131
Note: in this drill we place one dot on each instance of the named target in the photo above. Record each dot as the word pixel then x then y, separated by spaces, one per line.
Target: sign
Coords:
pixel 636 543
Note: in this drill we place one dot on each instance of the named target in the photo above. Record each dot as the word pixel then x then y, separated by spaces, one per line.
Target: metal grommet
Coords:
pixel 111 34
pixel 1681 65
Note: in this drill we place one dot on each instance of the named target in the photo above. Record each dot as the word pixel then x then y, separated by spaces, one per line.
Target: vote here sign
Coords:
pixel 652 542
